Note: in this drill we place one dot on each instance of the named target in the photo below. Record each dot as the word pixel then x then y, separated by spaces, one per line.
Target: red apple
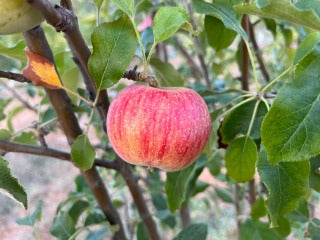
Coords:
pixel 166 128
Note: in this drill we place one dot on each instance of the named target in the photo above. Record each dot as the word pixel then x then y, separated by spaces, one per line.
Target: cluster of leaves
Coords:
pixel 275 139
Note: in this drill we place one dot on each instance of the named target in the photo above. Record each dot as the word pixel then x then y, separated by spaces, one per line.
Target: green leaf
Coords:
pixel 284 228
pixel 31 219
pixel 28 138
pixel 227 15
pixel 82 153
pixel 127 6
pixel 275 10
pixel 3 104
pixel 290 131
pixel 262 3
pixel 306 46
pixel 197 170
pixel 63 226
pixel 287 183
pixel 241 157
pixel 225 195
pixel 98 3
pixel 5 135
pixel 196 231
pixel 94 217
pixel 166 73
pixel 252 230
pixel 219 37
pixel 314 176
pixel 15 52
pixel 258 210
pixel 11 115
pixel 10 186
pixel 167 21
pixel 314 229
pixel 199 187
pixel 176 187
pixel 97 235
pixel 114 45
pixel 301 214
pixel 309 5
pixel 238 120
pixel 215 161
pixel 77 209
pixel 142 232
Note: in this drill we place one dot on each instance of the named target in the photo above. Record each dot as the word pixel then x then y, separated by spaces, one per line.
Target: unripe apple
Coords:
pixel 166 128
pixel 17 16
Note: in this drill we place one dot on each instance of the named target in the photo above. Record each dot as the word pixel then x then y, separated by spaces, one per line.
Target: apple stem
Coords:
pixel 139 77
pixel 151 80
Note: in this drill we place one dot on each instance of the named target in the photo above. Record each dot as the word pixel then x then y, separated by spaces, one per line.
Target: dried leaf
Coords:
pixel 41 71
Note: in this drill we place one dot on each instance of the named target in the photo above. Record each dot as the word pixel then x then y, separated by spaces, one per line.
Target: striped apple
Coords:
pixel 166 128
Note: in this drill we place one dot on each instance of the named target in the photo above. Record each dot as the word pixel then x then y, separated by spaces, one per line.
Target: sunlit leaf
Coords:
pixel 41 71
pixel 10 186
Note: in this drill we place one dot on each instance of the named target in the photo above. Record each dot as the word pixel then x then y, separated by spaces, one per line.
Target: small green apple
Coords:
pixel 17 16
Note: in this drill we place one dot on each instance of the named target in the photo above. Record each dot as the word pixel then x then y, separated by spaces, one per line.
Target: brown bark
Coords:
pixel 37 43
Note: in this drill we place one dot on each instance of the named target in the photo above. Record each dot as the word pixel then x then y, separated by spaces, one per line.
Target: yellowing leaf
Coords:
pixel 41 71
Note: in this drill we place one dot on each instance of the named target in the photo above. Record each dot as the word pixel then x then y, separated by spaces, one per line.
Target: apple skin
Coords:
pixel 17 16
pixel 165 128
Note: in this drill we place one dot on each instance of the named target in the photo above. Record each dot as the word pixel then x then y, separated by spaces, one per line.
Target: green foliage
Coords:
pixel 262 3
pixel 166 73
pixel 127 6
pixel 287 183
pixel 197 231
pixel 314 176
pixel 31 219
pixel 225 13
pixel 176 187
pixel 238 121
pixel 289 131
pixel 288 168
pixel 142 232
pixel 169 20
pixel 241 158
pixel 308 5
pixel 10 186
pixel 114 45
pixel 258 210
pixel 219 37
pixel 82 153
pixel 306 46
pixel 255 230
pixel 314 228
pixel 275 11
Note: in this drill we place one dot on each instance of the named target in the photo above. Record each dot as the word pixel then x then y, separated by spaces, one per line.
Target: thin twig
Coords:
pixel 195 71
pixel 185 215
pixel 245 86
pixel 237 207
pixel 66 21
pixel 203 64
pixel 256 48
pixel 17 96
pixel 13 76
pixel 6 146
pixel 37 43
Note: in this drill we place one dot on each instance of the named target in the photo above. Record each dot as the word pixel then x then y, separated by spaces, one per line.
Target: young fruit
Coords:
pixel 17 16
pixel 166 128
